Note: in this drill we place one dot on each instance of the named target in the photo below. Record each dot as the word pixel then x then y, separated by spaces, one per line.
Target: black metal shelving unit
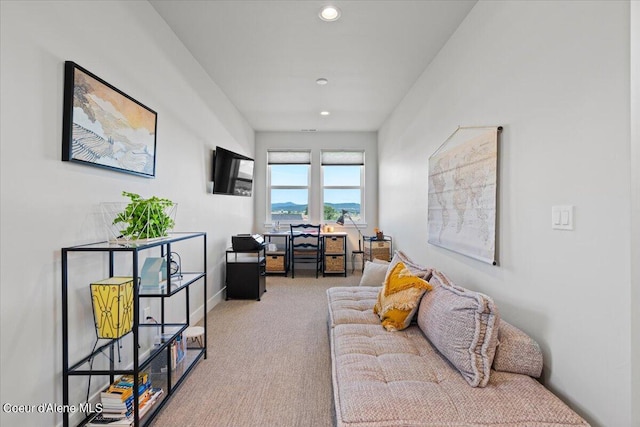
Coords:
pixel 146 357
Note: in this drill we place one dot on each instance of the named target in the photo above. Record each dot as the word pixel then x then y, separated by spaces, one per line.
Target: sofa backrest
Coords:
pixel 517 352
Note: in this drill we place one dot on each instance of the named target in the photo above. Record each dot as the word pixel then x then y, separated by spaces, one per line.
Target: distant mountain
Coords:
pixel 288 207
pixel 294 207
pixel 351 207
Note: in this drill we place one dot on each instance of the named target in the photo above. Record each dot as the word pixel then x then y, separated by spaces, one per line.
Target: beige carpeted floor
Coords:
pixel 268 361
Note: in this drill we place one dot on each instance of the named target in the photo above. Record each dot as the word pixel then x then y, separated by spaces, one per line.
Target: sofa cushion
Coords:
pixel 352 304
pixel 374 273
pixel 463 326
pixel 399 297
pixel 400 379
pixel 517 352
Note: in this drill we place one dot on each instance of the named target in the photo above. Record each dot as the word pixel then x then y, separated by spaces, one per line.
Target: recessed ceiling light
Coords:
pixel 322 81
pixel 329 13
pixel 324 113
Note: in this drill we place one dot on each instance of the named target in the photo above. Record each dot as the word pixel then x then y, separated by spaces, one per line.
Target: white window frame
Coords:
pixel 270 187
pixel 362 187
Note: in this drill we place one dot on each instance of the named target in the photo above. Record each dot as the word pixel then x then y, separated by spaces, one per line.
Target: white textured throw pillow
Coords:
pixel 462 325
pixel 374 273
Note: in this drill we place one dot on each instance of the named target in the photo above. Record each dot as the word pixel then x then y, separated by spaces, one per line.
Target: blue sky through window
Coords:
pixel 293 175
pixel 341 176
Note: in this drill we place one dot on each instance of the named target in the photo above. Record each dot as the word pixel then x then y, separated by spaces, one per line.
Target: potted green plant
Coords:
pixel 145 218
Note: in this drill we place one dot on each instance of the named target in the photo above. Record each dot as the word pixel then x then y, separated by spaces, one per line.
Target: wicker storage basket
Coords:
pixel 334 245
pixel 378 250
pixel 275 263
pixel 334 263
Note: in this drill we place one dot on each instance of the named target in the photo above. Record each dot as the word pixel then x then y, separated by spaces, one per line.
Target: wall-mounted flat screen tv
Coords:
pixel 232 173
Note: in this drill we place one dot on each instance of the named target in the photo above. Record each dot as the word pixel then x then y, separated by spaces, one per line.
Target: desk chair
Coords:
pixel 305 246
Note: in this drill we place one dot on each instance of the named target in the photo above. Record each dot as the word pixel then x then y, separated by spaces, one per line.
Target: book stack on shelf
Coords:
pixel 117 401
pixel 178 349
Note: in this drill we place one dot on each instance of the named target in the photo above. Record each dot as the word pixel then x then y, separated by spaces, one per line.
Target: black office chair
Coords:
pixel 305 246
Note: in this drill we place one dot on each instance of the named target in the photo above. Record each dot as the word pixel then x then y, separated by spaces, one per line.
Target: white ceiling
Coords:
pixel 266 55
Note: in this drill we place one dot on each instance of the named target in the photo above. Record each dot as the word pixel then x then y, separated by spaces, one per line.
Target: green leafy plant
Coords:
pixel 145 218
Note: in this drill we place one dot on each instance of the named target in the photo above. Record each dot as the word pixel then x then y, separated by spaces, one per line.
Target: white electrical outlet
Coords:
pixel 146 312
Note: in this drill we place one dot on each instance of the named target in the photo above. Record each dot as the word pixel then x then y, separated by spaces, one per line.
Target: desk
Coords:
pixel 334 252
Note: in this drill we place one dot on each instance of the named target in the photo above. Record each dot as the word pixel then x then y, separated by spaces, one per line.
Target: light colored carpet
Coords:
pixel 268 361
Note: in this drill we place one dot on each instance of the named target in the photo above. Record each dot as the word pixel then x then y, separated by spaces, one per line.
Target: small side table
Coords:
pixel 353 259
pixel 195 333
pixel 378 248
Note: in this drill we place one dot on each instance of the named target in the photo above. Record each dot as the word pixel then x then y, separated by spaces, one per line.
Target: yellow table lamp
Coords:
pixel 112 301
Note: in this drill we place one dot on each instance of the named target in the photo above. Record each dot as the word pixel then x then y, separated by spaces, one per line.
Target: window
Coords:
pixel 296 194
pixel 342 184
pixel 288 185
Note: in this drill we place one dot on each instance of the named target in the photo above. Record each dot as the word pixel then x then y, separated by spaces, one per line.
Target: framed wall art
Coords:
pixel 105 127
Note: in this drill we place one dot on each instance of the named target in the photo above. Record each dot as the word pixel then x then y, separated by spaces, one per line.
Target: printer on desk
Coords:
pixel 247 242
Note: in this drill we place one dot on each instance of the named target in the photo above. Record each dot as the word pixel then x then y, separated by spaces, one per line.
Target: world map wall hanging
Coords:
pixel 463 193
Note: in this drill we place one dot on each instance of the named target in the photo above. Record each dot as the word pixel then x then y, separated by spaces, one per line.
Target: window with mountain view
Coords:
pixel 342 184
pixel 289 185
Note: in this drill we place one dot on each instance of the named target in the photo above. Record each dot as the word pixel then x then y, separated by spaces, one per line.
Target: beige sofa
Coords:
pixel 403 378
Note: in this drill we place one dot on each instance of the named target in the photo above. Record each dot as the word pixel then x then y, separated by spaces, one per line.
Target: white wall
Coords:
pixel 635 215
pixel 48 204
pixel 556 76
pixel 316 142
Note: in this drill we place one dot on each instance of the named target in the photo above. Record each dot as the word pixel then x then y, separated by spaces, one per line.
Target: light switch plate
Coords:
pixel 562 217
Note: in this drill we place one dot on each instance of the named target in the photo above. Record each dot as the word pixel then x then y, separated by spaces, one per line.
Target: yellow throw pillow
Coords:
pixel 399 298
